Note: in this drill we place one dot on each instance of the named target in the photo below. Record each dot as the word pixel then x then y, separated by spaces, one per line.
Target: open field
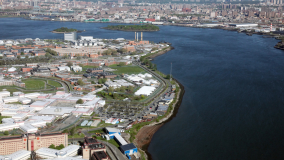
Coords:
pixel 34 83
pixel 129 69
pixel 53 83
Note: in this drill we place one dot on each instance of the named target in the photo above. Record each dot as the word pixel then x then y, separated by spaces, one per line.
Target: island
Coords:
pixel 64 30
pixel 144 27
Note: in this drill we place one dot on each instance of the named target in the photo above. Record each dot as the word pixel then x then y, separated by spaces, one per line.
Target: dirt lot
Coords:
pixel 145 135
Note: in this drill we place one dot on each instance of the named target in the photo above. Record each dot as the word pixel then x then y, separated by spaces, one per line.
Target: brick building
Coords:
pixel 31 142
pixel 92 149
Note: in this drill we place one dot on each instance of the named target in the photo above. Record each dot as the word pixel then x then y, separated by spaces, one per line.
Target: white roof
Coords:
pixel 109 129
pixel 93 102
pixel 17 155
pixel 53 152
pixel 120 139
pixel 145 90
pixel 88 97
pixel 28 128
pixel 41 118
pixel 56 110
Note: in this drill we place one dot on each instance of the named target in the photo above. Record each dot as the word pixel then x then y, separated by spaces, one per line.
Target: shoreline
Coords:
pixel 145 134
pixel 165 120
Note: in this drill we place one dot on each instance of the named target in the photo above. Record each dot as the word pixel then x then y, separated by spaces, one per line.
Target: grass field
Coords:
pixel 34 84
pixel 129 69
pixel 9 88
pixel 53 83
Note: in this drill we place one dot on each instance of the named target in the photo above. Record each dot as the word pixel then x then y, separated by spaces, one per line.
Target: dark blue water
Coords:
pixel 233 107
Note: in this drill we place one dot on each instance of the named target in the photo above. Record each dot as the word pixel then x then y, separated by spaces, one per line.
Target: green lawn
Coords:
pixel 53 83
pixel 34 83
pixel 9 88
pixel 77 136
pixel 129 69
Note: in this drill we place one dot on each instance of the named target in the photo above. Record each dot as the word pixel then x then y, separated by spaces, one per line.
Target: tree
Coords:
pixel 69 64
pixel 19 57
pixel 52 146
pixel 26 56
pixel 79 101
pixel 115 95
pixel 22 53
pixel 110 89
pixel 80 82
pixel 6 133
pixel 72 131
pixel 121 64
pixel 131 89
pixel 122 89
pixel 168 76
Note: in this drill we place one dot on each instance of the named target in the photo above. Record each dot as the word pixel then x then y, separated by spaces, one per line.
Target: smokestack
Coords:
pixel 141 36
pixel 135 36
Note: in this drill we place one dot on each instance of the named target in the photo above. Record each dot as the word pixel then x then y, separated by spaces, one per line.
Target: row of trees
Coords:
pixel 50 51
pixel 110 52
pixel 102 80
pixel 122 89
pixel 147 62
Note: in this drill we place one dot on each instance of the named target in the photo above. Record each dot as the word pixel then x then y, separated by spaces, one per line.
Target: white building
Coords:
pixel 28 128
pixel 19 155
pixel 70 36
pixel 76 68
pixel 48 153
pixel 63 68
pixel 5 94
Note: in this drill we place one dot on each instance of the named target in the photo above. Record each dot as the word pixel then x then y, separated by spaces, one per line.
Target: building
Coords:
pixel 19 155
pixel 30 142
pixel 91 146
pixel 48 153
pixel 128 149
pixel 70 36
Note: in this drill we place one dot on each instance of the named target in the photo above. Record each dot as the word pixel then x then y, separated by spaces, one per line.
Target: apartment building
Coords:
pixel 31 142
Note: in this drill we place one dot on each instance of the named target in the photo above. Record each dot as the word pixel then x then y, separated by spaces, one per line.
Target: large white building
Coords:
pixel 48 153
pixel 70 36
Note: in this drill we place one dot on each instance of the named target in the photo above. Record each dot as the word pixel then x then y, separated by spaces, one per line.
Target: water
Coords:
pixel 233 105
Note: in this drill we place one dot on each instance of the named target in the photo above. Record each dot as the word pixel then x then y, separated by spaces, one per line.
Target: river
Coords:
pixel 234 102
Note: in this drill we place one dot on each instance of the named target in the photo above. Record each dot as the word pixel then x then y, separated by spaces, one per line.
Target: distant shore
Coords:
pixel 130 30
